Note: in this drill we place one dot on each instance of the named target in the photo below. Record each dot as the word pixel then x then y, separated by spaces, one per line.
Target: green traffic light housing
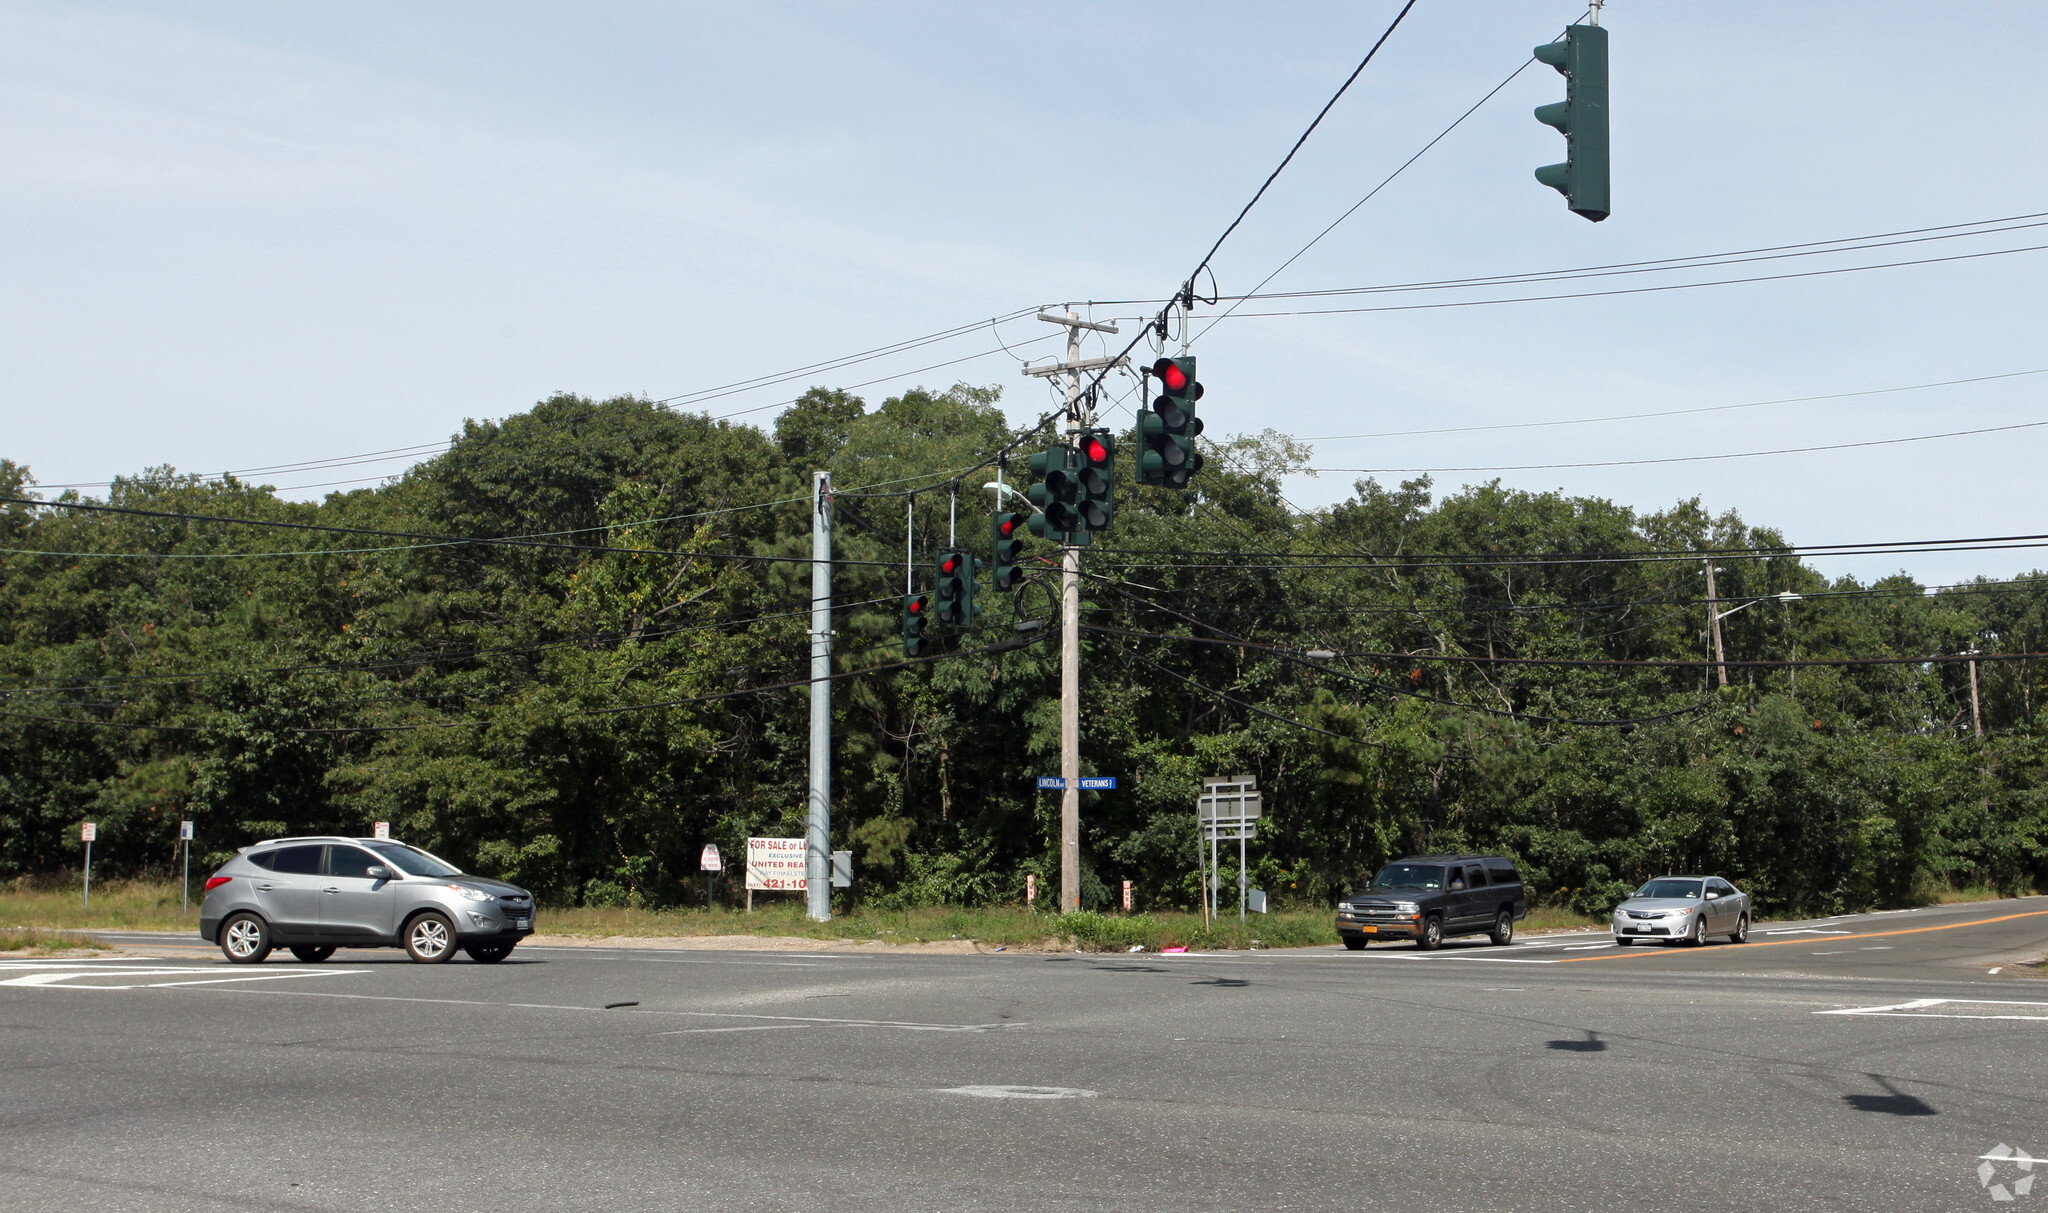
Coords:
pixel 954 588
pixel 1098 479
pixel 1168 430
pixel 1058 497
pixel 917 608
pixel 1006 544
pixel 1582 118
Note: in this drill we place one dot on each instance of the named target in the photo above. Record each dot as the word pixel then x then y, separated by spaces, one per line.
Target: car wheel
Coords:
pixel 1432 936
pixel 1503 929
pixel 1741 930
pixel 1622 941
pixel 310 954
pixel 488 953
pixel 245 939
pixel 430 939
pixel 1699 932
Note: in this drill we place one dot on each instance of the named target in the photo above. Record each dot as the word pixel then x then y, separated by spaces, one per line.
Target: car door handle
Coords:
pixel 331 889
pixel 265 888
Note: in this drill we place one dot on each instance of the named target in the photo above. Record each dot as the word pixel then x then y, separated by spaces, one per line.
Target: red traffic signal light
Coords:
pixel 1096 450
pixel 950 562
pixel 1171 374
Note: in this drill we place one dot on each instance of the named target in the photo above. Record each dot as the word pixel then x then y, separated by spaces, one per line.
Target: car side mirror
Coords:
pixel 378 871
pixel 1712 896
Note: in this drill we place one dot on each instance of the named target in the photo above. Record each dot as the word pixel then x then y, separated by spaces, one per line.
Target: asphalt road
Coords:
pixel 1860 1063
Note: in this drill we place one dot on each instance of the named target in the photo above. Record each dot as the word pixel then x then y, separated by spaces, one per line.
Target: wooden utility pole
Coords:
pixel 1714 625
pixel 1976 713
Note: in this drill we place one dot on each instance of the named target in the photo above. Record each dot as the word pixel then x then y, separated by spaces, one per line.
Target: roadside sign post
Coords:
pixel 87 833
pixel 1030 891
pixel 381 829
pixel 185 840
pixel 712 864
pixel 1228 808
pixel 1127 896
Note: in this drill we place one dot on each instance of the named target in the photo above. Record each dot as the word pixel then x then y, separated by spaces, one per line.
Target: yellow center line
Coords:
pixel 1779 943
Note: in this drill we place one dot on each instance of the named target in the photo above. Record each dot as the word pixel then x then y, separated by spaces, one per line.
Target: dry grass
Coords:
pixel 132 905
pixel 33 941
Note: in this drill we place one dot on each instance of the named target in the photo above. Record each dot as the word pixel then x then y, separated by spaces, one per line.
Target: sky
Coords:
pixel 244 235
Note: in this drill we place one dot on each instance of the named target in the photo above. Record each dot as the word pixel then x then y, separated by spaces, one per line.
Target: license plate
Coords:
pixel 521 924
pixel 1640 930
pixel 1370 930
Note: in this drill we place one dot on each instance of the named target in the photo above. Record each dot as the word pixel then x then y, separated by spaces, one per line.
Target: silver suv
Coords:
pixel 313 895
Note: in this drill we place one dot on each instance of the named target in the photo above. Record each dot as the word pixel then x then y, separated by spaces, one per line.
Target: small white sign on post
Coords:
pixel 710 860
pixel 1127 896
pixel 776 864
pixel 381 830
pixel 185 830
pixel 1030 888
pixel 89 832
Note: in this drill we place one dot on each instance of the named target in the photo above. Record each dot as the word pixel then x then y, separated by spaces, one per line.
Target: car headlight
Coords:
pixel 1405 907
pixel 469 894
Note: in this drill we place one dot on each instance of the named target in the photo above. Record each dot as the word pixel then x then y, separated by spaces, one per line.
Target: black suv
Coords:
pixel 1428 898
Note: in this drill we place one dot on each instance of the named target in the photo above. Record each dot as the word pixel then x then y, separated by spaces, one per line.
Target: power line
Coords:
pixel 1713 408
pixel 1638 290
pixel 1620 463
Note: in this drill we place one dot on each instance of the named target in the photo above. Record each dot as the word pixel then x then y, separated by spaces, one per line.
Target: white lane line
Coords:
pixel 52 980
pixel 1920 1008
pixel 1588 947
pixel 1806 931
pixel 756 1027
pixel 906 1025
pixel 1019 1092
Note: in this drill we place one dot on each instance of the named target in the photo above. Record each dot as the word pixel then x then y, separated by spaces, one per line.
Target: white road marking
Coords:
pixel 757 1027
pixel 1920 1008
pixel 1588 947
pixel 1806 931
pixel 52 978
pixel 1019 1092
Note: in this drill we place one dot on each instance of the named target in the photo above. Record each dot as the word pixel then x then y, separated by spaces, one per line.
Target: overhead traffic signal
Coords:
pixel 1008 543
pixel 1098 479
pixel 955 589
pixel 916 609
pixel 1058 496
pixel 1168 430
pixel 1582 59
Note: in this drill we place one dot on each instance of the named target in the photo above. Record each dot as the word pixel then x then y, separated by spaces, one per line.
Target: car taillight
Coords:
pixel 214 882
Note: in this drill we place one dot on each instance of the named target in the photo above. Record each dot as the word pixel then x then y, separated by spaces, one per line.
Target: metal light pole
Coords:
pixel 818 828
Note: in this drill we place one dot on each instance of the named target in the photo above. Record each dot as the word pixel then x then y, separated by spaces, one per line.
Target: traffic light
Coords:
pixel 1007 534
pixel 916 609
pixel 1582 59
pixel 1168 430
pixel 955 589
pixel 1098 479
pixel 1058 497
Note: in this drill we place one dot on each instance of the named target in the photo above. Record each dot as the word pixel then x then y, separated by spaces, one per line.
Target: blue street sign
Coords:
pixel 1051 783
pixel 1098 783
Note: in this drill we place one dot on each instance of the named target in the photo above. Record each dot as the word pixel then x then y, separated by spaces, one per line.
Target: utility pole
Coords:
pixel 1714 625
pixel 1080 415
pixel 1976 714
pixel 818 829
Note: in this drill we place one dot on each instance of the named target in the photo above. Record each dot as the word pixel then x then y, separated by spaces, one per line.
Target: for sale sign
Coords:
pixel 775 863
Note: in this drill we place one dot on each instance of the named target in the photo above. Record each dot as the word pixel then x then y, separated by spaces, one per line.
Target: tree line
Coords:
pixel 561 653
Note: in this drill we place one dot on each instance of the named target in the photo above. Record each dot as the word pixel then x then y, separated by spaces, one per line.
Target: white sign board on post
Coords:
pixel 89 832
pixel 185 830
pixel 710 860
pixel 381 829
pixel 776 864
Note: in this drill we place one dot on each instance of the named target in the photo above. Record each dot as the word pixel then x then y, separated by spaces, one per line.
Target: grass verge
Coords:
pixel 35 941
pixel 131 905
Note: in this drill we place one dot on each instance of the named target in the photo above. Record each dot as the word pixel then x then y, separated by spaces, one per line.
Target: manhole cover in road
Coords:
pixel 1020 1092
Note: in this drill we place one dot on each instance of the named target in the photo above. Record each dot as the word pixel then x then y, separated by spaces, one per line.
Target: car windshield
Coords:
pixel 1689 889
pixel 412 862
pixel 1409 876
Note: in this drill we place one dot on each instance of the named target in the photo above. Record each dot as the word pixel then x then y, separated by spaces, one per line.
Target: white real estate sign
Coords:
pixel 775 863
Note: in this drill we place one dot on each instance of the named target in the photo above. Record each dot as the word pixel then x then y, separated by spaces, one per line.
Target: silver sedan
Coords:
pixel 1691 908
